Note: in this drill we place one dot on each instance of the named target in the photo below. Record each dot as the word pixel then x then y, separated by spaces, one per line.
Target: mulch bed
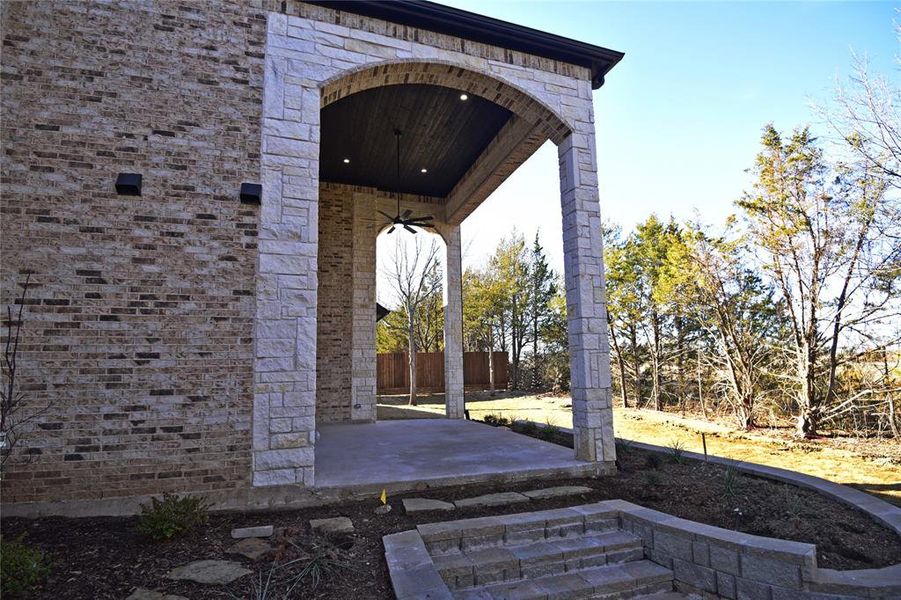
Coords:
pixel 106 558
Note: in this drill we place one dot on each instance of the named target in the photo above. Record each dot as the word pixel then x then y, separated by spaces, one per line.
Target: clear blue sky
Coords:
pixel 678 120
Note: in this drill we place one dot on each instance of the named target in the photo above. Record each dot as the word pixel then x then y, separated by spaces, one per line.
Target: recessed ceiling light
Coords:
pixel 346 161
pixel 423 170
pixel 464 97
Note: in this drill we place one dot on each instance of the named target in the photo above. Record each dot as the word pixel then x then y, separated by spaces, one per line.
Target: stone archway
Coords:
pixel 447 74
pixel 306 69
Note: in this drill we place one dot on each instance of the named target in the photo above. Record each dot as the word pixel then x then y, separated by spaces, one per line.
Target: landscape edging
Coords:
pixel 704 559
pixel 867 581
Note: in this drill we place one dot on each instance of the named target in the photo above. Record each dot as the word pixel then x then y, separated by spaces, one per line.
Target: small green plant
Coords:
pixel 652 460
pixel 731 481
pixel 676 450
pixel 549 432
pixel 794 505
pixel 172 515
pixel 652 479
pixel 496 420
pixel 21 566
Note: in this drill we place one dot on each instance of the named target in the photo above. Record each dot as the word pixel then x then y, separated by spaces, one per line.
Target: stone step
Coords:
pixel 610 582
pixel 477 567
pixel 450 537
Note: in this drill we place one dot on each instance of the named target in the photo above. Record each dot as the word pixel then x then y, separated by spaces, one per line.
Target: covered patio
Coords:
pixel 405 455
pixel 384 130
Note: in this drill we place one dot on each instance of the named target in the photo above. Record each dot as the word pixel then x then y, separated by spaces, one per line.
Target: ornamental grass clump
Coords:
pixel 166 518
pixel 676 450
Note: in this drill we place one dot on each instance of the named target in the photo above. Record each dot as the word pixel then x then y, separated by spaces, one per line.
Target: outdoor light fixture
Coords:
pixel 423 170
pixel 128 184
pixel 464 97
pixel 404 219
pixel 251 193
pixel 346 161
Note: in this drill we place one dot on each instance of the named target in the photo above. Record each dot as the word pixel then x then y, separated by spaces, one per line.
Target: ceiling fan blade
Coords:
pixel 408 228
pixel 429 218
pixel 406 213
pixel 424 225
pixel 386 215
pixel 391 230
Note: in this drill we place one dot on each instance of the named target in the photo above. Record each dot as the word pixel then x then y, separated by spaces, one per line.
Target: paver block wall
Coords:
pixel 720 563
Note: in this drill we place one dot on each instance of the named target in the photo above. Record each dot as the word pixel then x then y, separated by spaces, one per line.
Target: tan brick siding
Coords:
pixel 139 326
pixel 334 311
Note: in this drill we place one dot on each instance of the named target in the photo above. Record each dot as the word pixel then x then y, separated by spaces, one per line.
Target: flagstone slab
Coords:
pixel 261 531
pixel 499 499
pixel 252 548
pixel 412 505
pixel 335 525
pixel 144 594
pixel 210 572
pixel 558 492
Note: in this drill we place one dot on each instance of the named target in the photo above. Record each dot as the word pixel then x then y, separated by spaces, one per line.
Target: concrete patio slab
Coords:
pixel 401 455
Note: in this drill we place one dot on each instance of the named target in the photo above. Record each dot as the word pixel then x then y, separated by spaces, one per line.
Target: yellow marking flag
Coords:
pixel 384 496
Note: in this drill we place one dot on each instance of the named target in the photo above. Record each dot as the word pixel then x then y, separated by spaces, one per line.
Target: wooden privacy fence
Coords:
pixel 393 373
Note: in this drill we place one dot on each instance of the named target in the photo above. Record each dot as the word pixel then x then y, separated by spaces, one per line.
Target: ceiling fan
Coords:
pixel 405 220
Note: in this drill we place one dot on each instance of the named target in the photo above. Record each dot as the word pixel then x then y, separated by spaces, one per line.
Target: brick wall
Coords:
pixel 334 310
pixel 139 325
pixel 139 330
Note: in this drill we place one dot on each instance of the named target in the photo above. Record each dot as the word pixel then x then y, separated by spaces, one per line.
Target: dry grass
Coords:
pixel 869 465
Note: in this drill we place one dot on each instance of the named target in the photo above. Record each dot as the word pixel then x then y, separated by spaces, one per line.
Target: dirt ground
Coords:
pixel 105 558
pixel 873 466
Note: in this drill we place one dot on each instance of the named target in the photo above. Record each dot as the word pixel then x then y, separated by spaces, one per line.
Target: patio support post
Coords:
pixel 453 326
pixel 363 357
pixel 585 302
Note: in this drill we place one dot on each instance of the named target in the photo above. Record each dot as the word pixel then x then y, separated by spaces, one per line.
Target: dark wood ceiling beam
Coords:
pixel 513 145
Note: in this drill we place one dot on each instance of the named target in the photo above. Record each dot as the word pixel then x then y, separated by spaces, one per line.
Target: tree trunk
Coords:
pixel 412 359
pixel 536 379
pixel 680 348
pixel 701 389
pixel 491 368
pixel 808 412
pixel 622 367
pixel 636 364
pixel 655 362
pixel 890 393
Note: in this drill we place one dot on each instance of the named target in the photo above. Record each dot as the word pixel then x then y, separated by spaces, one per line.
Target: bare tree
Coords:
pixel 865 117
pixel 413 281
pixel 14 412
pixel 829 241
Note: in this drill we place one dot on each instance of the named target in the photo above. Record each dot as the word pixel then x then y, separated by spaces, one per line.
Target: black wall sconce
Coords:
pixel 251 193
pixel 128 184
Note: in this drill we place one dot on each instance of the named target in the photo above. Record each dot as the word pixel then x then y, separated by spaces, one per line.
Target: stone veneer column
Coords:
pixel 585 301
pixel 284 403
pixel 453 326
pixel 363 358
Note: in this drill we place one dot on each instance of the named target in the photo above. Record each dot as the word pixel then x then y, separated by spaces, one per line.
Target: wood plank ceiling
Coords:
pixel 440 133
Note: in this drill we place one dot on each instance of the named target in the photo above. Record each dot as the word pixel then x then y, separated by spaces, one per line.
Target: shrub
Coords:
pixel 652 460
pixel 172 516
pixel 21 566
pixel 676 450
pixel 496 420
